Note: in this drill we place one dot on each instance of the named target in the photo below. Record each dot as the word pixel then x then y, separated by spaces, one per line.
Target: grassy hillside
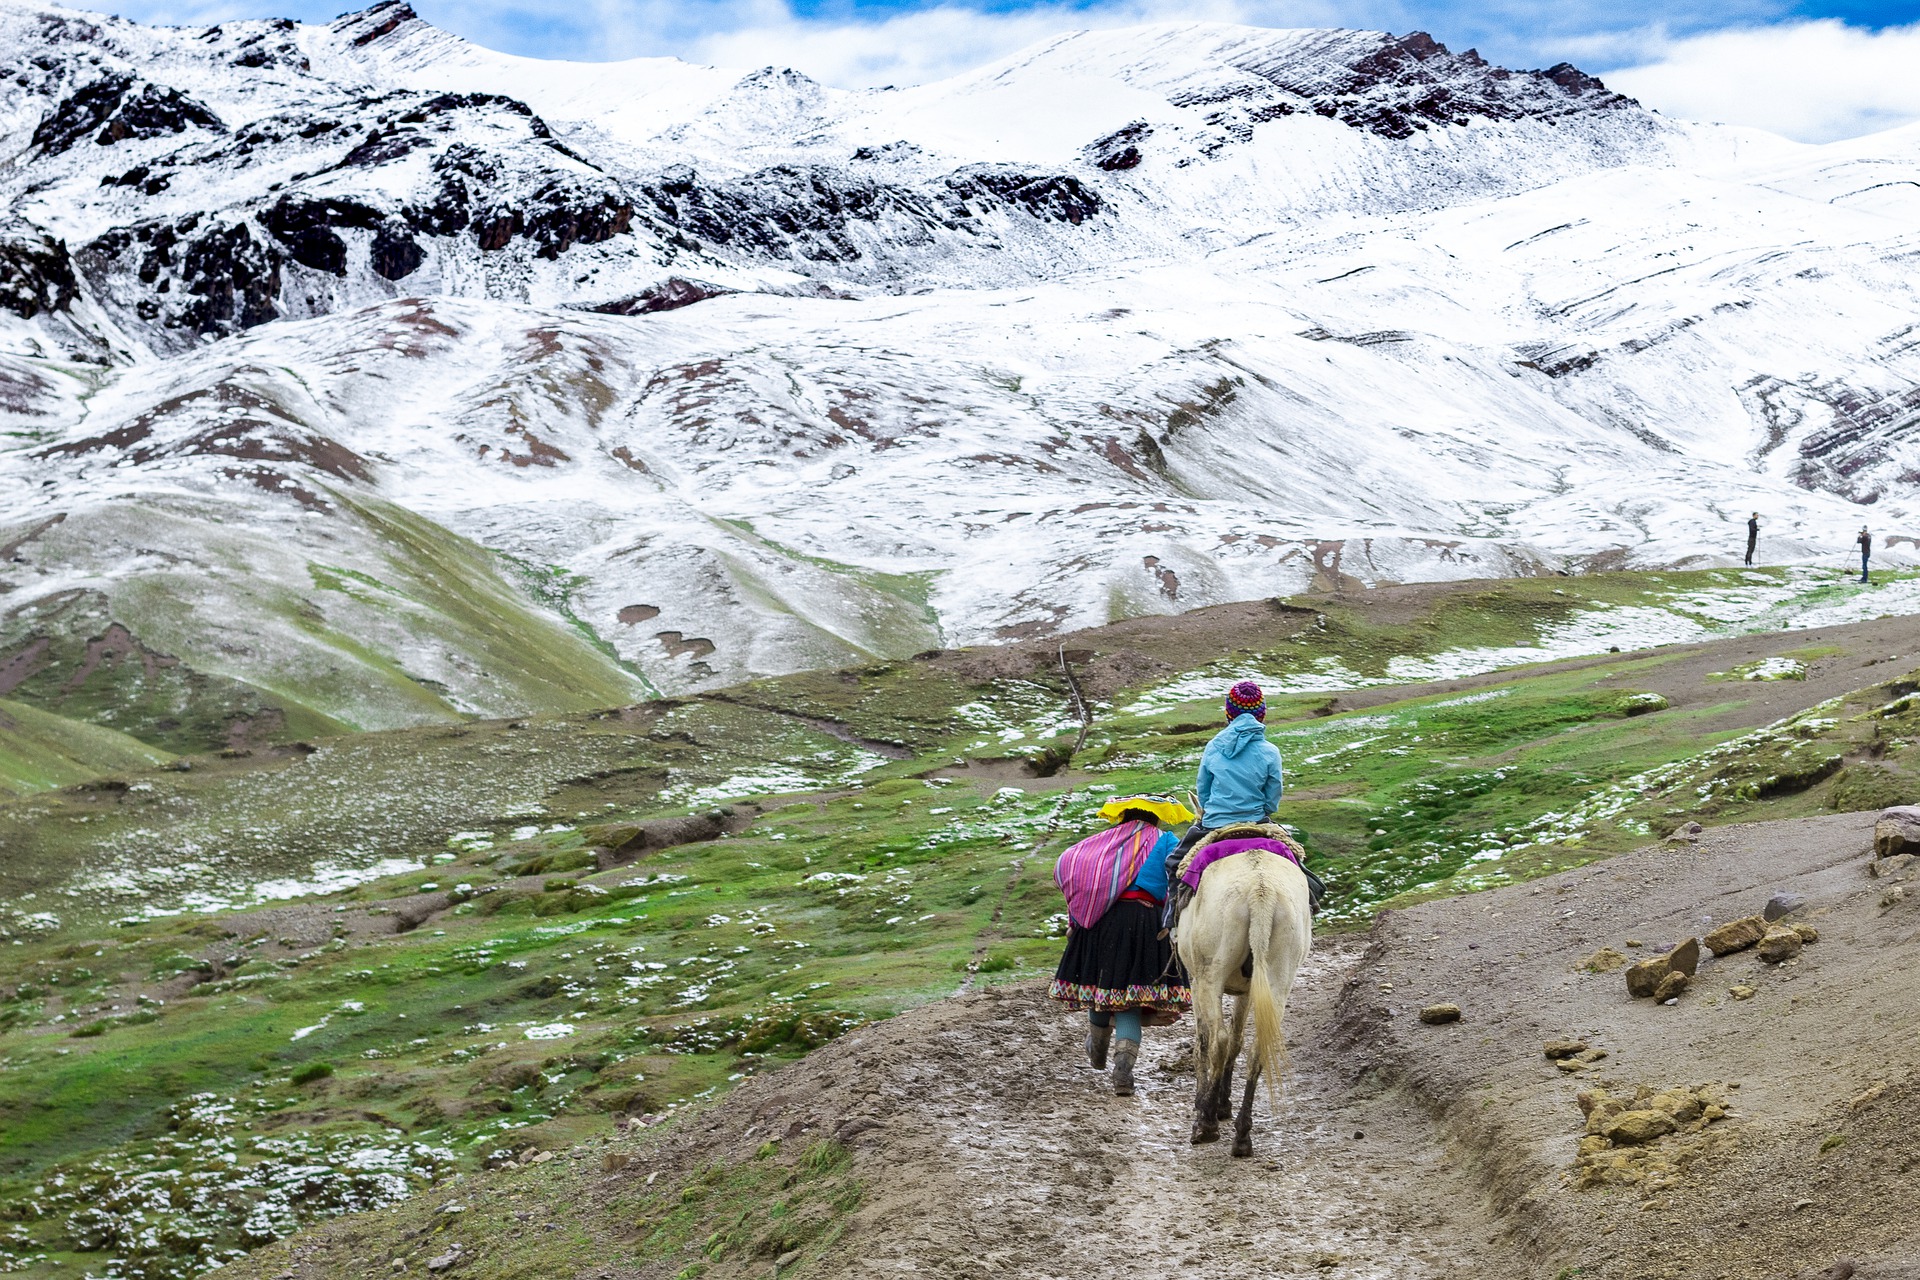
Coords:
pixel 39 751
pixel 393 957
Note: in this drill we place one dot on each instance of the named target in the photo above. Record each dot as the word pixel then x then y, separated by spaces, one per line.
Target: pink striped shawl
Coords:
pixel 1095 872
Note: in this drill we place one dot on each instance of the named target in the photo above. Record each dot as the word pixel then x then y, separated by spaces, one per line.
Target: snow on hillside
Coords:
pixel 413 363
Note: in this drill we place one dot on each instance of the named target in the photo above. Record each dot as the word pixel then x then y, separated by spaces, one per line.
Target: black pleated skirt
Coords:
pixel 1122 963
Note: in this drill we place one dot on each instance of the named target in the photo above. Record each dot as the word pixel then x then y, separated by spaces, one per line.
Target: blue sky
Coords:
pixel 1815 70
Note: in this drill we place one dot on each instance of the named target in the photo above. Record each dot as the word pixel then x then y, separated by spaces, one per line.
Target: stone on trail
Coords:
pixel 1741 991
pixel 1782 904
pixel 1685 958
pixel 1806 931
pixel 1605 960
pixel 1671 986
pixel 1435 1014
pixel 1897 831
pixel 1883 867
pixel 1644 978
pixel 1736 935
pixel 1780 944
pixel 1631 1128
pixel 1563 1048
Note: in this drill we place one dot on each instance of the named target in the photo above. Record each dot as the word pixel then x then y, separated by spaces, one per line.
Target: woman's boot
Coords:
pixel 1097 1038
pixel 1124 1055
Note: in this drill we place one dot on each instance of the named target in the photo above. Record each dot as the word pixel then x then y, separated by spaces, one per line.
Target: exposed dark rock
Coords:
pixel 36 275
pixel 155 111
pixel 307 227
pixel 668 295
pixel 1050 197
pixel 395 255
pixel 1121 148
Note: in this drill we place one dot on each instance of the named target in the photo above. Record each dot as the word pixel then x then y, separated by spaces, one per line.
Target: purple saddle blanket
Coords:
pixel 1212 853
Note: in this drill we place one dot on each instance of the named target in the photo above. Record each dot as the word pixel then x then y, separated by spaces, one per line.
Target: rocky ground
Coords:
pixel 967 1138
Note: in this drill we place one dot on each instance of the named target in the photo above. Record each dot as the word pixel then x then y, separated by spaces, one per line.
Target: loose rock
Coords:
pixel 1435 1014
pixel 1635 1127
pixel 1563 1048
pixel 1736 935
pixel 1671 986
pixel 1781 905
pixel 1644 978
pixel 1685 958
pixel 1884 867
pixel 1780 944
pixel 1742 991
pixel 1806 931
pixel 1897 831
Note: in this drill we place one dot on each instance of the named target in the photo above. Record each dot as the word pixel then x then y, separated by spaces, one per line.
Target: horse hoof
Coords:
pixel 1203 1133
pixel 1243 1146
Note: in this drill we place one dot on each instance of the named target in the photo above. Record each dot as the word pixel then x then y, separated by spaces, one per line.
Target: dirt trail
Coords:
pixel 985 1147
pixel 1023 1163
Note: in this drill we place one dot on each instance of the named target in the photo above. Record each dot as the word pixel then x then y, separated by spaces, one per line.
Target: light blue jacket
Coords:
pixel 1240 777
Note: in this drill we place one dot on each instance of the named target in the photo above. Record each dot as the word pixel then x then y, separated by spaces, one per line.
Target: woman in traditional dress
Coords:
pixel 1118 965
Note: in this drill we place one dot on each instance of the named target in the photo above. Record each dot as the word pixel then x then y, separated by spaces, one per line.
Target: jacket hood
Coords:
pixel 1240 733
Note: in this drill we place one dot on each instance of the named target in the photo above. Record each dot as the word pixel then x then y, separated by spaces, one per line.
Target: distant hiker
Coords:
pixel 1866 552
pixel 1118 966
pixel 1753 535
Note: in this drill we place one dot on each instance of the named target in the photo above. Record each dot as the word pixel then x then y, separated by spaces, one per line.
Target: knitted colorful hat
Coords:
pixel 1245 698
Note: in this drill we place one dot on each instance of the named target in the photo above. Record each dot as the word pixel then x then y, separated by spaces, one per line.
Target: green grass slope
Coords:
pixel 39 751
pixel 439 976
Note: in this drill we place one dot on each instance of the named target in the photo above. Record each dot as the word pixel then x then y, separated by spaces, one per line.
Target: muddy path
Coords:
pixel 1025 1164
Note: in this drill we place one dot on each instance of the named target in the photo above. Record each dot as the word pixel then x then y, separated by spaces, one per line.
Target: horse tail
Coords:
pixel 1268 1042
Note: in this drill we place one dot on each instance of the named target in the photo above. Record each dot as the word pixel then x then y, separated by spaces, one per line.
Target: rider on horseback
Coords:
pixel 1241 780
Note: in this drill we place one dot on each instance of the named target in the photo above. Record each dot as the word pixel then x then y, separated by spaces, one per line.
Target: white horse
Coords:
pixel 1251 908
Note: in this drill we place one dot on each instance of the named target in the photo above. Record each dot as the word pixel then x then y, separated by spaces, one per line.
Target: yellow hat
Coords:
pixel 1168 811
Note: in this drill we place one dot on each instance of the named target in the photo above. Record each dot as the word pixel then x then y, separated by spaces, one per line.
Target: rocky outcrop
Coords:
pixel 118 110
pixel 36 275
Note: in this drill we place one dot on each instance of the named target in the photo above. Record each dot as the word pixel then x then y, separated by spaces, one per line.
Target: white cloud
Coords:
pixel 1815 81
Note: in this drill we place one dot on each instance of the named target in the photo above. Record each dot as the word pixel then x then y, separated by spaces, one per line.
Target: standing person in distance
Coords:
pixel 1865 542
pixel 1753 536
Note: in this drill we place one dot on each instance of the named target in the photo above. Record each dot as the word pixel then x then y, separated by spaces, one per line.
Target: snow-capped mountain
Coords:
pixel 359 370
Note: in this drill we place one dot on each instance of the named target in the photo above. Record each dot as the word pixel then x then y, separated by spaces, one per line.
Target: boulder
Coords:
pixel 1736 935
pixel 1644 978
pixel 1897 830
pixel 1781 905
pixel 1631 1128
pixel 1780 944
pixel 1435 1014
pixel 1671 986
pixel 1686 832
pixel 1685 958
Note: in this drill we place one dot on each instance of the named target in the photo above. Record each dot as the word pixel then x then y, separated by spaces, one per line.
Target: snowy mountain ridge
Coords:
pixel 355 373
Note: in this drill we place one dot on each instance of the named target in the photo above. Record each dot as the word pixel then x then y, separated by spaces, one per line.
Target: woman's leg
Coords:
pixel 1126 1050
pixel 1099 1035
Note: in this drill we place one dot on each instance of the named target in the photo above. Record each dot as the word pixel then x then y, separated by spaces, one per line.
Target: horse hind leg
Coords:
pixel 1206 1125
pixel 1243 1123
pixel 1221 1102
